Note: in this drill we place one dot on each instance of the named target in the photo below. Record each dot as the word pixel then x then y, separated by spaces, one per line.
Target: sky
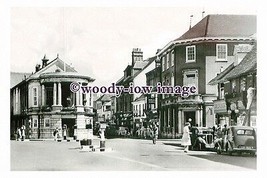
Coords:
pixel 97 41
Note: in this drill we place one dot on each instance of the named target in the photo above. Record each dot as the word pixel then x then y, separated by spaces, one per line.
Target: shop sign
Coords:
pixel 219 106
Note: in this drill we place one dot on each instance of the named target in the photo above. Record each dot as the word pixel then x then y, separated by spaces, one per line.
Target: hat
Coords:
pixel 187 123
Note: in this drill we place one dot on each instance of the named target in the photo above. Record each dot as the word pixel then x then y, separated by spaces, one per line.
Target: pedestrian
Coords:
pixel 225 133
pixel 155 133
pixel 55 134
pixel 186 141
pixel 22 133
pixel 18 134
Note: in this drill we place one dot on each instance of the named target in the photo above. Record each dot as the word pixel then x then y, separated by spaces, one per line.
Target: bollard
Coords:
pixel 102 145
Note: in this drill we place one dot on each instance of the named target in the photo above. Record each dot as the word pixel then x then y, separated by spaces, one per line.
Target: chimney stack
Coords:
pixel 191 16
pixel 137 55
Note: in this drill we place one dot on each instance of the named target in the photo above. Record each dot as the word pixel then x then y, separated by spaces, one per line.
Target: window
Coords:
pixel 35 123
pixel 46 123
pixel 233 86
pixel 245 132
pixel 163 63
pixel 168 61
pixel 243 84
pixel 221 94
pixel 191 53
pixel 172 58
pixel 35 96
pixel 221 52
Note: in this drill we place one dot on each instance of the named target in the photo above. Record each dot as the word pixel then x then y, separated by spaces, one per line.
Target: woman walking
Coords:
pixel 186 141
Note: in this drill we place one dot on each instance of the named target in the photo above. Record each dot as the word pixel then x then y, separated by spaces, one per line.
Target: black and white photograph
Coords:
pixel 151 87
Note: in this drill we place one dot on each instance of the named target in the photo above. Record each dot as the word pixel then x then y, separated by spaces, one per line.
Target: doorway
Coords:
pixel 69 122
pixel 190 115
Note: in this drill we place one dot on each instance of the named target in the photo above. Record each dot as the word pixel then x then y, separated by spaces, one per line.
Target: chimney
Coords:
pixel 191 16
pixel 203 14
pixel 44 61
pixel 137 55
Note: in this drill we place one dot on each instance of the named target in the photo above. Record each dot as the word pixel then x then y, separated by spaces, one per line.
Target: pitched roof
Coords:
pixel 140 64
pixel 17 77
pixel 222 26
pixel 220 78
pixel 248 64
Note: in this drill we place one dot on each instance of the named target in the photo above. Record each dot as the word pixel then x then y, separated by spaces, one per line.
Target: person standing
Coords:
pixel 155 133
pixel 18 134
pixel 55 134
pixel 22 133
pixel 186 141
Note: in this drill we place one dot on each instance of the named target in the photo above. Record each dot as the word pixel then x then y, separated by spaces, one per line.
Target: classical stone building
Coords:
pixel 43 101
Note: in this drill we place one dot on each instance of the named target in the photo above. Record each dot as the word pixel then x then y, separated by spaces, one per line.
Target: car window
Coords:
pixel 244 132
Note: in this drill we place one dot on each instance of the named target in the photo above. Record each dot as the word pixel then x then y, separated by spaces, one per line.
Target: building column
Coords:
pixel 59 94
pixel 198 117
pixel 43 95
pixel 77 98
pixel 87 96
pixel 55 94
pixel 81 98
pixel 180 121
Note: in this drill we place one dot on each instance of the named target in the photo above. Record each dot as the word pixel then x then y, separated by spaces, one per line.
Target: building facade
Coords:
pixel 193 60
pixel 237 85
pixel 43 101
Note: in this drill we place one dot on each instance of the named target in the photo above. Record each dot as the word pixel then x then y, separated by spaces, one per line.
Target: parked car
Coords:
pixel 202 138
pixel 240 139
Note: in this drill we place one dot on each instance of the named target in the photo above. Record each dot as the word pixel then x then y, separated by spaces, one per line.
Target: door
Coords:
pixel 69 122
pixel 190 115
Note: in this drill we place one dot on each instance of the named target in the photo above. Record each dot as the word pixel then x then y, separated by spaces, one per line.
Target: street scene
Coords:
pixel 128 89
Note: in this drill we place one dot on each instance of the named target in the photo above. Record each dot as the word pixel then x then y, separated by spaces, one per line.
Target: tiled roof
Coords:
pixel 220 78
pixel 248 64
pixel 222 26
pixel 140 64
pixel 17 77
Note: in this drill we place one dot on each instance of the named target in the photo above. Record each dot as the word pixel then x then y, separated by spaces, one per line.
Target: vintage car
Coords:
pixel 240 139
pixel 202 138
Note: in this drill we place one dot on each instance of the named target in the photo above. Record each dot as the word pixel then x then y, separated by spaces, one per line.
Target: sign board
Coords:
pixel 219 106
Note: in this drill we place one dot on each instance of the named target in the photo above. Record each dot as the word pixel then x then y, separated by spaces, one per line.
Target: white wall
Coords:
pixel 140 79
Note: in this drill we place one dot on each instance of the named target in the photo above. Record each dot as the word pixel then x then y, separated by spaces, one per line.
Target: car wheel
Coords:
pixel 219 149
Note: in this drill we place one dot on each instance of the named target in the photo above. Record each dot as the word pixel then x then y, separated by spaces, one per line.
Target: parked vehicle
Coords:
pixel 202 138
pixel 239 139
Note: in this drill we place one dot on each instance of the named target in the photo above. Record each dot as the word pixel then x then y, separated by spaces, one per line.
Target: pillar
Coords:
pixel 80 98
pixel 59 94
pixel 77 98
pixel 43 95
pixel 180 121
pixel 198 118
pixel 55 94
